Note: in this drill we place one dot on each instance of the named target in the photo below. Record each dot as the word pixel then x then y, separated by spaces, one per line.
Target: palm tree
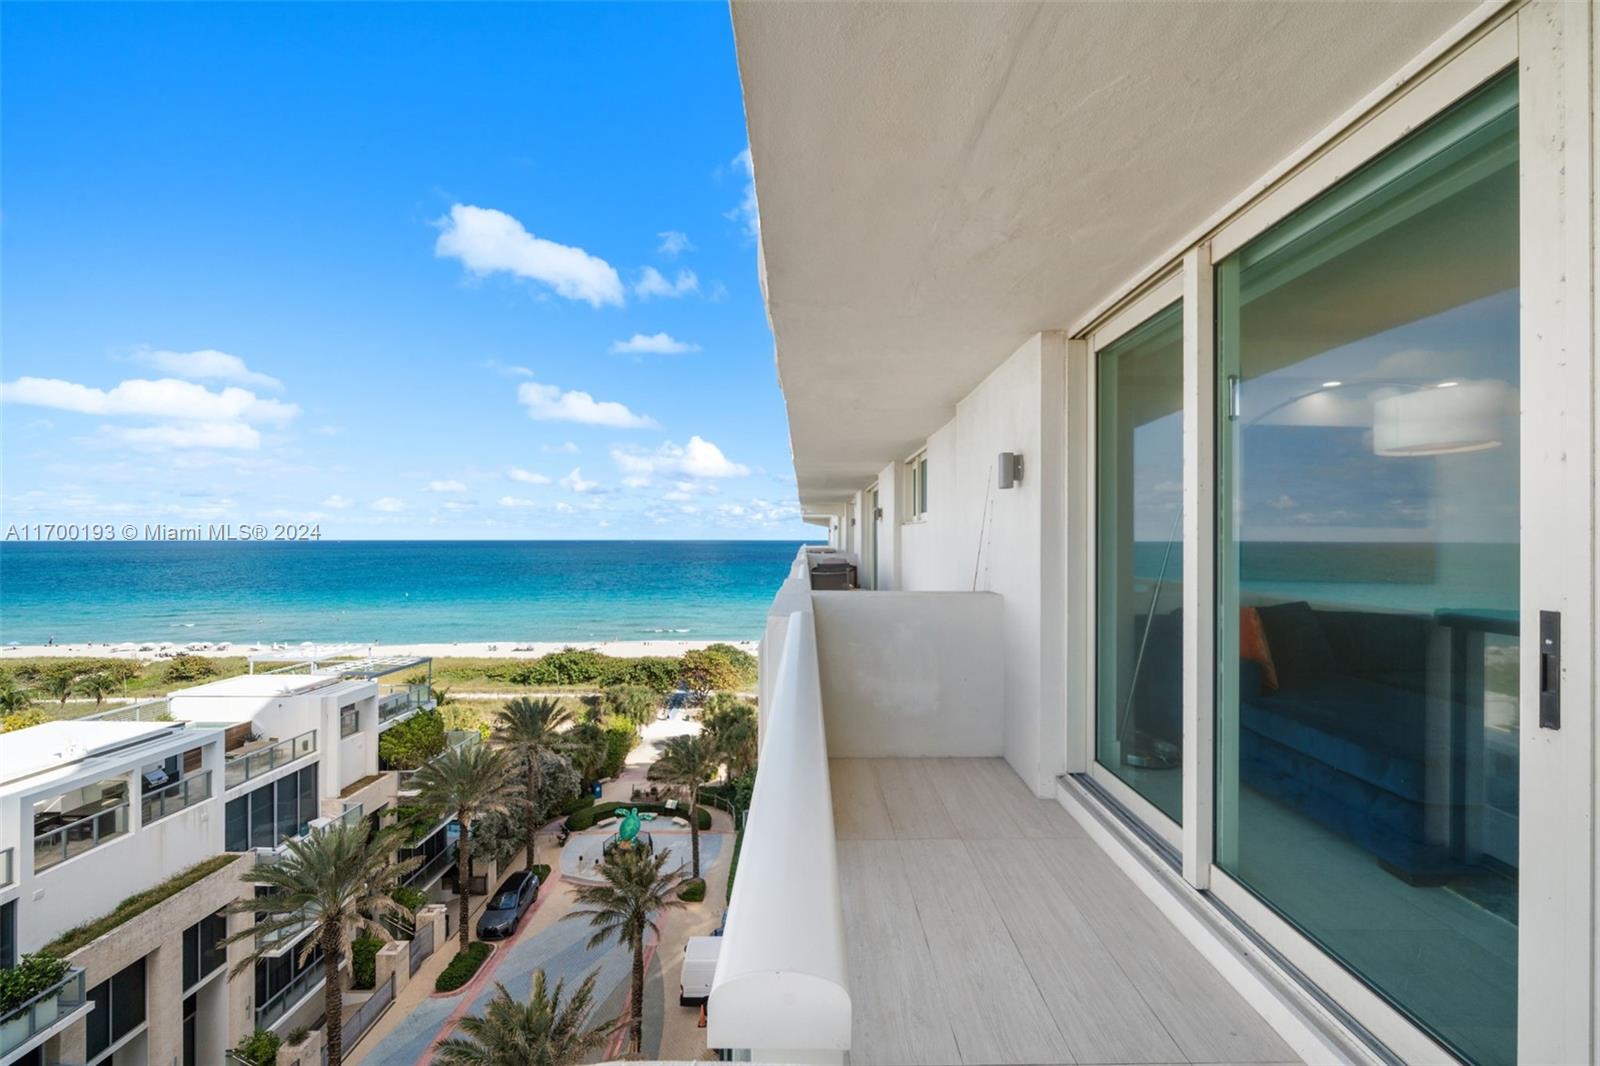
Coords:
pixel 59 685
pixel 624 908
pixel 13 697
pixel 586 747
pixel 542 1032
pixel 471 781
pixel 636 703
pixel 97 685
pixel 532 728
pixel 734 733
pixel 690 761
pixel 341 882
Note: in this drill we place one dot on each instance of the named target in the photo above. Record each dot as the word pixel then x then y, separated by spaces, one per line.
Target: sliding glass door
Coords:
pixel 1139 562
pixel 1368 562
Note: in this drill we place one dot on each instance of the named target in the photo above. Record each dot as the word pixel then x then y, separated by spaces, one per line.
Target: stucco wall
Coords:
pixel 977 537
pixel 911 673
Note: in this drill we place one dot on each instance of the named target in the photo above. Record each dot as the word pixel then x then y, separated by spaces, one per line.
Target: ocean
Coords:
pixel 388 591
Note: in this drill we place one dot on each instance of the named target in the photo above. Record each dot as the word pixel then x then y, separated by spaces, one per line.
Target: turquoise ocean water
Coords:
pixel 389 591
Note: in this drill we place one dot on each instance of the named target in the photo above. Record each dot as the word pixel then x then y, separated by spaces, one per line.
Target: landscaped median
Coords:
pixel 463 967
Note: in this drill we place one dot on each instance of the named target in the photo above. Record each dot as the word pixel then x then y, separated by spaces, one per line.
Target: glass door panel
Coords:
pixel 1139 560
pixel 1368 572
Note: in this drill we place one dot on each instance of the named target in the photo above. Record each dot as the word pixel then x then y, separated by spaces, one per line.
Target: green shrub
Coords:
pixel 654 672
pixel 692 891
pixel 620 736
pixel 413 742
pixel 28 716
pixel 462 967
pixel 260 1048
pixel 577 803
pixel 541 870
pixel 190 668
pixel 36 973
pixel 586 818
pixel 364 961
pixel 412 899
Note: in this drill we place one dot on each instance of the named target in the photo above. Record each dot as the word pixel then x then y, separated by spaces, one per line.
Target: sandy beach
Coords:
pixel 498 649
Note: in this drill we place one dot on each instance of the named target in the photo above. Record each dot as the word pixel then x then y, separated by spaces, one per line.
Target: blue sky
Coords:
pixel 405 271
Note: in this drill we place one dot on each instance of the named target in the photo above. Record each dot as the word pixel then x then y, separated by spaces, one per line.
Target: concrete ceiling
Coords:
pixel 939 181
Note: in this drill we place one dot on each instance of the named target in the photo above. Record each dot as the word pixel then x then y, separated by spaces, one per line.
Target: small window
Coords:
pixel 917 486
pixel 349 720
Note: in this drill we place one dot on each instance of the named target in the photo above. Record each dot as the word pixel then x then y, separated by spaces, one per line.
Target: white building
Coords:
pixel 1205 396
pixel 180 796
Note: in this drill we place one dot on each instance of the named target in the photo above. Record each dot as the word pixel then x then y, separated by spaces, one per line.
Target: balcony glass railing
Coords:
pixel 241 768
pixel 180 795
pixel 401 700
pixel 288 996
pixel 433 869
pixel 21 1025
pixel 76 837
pixel 8 866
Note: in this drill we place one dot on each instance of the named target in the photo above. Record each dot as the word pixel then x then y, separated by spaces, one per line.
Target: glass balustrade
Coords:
pixel 177 796
pixel 78 836
pixel 244 766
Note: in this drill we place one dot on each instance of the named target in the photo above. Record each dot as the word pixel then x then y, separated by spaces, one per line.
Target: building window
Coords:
pixel 349 720
pixel 1368 569
pixel 8 934
pixel 119 1009
pixel 917 486
pixel 203 947
pixel 271 814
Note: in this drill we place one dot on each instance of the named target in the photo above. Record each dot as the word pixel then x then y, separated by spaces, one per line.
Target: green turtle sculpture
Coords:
pixel 632 822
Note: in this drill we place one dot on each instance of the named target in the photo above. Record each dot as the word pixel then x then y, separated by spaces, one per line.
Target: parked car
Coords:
pixel 507 906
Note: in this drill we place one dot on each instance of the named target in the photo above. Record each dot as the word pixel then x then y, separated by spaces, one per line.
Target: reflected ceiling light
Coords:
pixel 1332 384
pixel 1472 417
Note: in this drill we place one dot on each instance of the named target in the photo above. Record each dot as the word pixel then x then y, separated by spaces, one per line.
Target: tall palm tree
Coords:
pixel 624 907
pixel 340 881
pixel 542 1032
pixel 97 685
pixel 733 731
pixel 532 728
pixel 471 781
pixel 59 686
pixel 689 761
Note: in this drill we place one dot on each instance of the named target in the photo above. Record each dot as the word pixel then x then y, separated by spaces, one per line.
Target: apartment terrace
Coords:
pixel 942 912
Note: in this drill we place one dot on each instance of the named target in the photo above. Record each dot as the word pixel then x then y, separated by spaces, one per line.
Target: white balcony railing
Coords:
pixel 21 1025
pixel 242 767
pixel 782 988
pixel 78 836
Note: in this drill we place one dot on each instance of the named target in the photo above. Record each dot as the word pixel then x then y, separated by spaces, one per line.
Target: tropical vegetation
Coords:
pixel 469 782
pixel 550 1029
pixel 689 761
pixel 531 729
pixel 624 907
pixel 341 882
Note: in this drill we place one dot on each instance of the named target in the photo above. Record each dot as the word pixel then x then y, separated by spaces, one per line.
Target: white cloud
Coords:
pixel 698 458
pixel 564 508
pixel 508 370
pixel 568 448
pixel 548 403
pixel 636 481
pixel 234 436
pixel 527 477
pixel 654 344
pixel 139 397
pixel 576 483
pixel 207 364
pixel 652 283
pixel 457 505
pixel 388 504
pixel 747 214
pixel 515 501
pixel 674 242
pixel 445 486
pixel 337 502
pixel 487 241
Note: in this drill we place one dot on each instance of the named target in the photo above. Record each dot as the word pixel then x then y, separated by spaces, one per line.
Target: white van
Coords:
pixel 699 967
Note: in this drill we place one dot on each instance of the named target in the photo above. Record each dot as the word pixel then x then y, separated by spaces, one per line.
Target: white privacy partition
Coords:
pixel 781 992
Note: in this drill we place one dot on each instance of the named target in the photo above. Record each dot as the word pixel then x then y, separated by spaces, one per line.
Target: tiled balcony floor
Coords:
pixel 985 927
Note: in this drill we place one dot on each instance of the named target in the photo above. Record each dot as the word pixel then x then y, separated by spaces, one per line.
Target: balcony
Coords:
pixel 289 996
pixel 264 757
pixel 82 833
pixel 178 796
pixel 903 897
pixel 50 1011
pixel 403 700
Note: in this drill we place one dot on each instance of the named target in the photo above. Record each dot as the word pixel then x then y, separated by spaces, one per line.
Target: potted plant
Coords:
pixel 30 978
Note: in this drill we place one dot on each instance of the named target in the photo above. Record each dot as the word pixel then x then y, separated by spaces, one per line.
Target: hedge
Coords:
pixel 586 818
pixel 733 863
pixel 541 870
pixel 462 967
pixel 364 961
pixel 693 891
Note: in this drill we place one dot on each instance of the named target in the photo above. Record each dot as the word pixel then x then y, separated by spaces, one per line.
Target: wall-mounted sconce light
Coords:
pixel 1010 469
pixel 877 514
